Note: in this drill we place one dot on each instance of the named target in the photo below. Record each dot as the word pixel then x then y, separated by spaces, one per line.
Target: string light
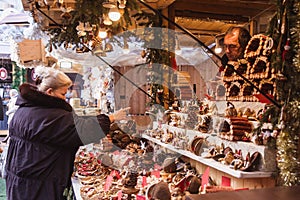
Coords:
pixel 218 48
pixel 126 49
pixel 102 31
pixel 114 14
pixel 177 47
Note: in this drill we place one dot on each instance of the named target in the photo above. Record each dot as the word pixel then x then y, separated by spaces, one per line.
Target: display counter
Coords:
pixel 275 193
pixel 237 179
pixel 212 163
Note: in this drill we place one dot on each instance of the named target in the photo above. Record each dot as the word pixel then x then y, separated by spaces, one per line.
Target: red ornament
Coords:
pixel 264 99
pixel 286 47
pixel 174 64
pixel 221 68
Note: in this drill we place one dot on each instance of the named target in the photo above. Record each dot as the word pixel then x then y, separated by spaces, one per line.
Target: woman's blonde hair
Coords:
pixel 48 77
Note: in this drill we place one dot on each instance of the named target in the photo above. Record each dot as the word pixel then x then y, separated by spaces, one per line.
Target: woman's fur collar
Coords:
pixel 32 96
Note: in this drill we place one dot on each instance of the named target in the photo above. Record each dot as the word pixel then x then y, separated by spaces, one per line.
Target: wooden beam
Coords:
pixel 251 4
pixel 223 8
pixel 202 32
pixel 202 15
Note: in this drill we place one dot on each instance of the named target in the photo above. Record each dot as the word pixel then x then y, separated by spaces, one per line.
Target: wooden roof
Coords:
pixel 204 18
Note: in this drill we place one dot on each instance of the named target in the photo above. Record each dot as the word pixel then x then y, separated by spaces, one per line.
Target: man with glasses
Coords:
pixel 235 41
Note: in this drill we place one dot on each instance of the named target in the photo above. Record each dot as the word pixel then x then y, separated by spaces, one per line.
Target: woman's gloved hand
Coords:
pixel 119 115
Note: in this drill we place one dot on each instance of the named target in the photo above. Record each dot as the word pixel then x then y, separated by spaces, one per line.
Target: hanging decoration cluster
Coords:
pixel 288 145
pixel 158 43
pixel 84 23
pixel 285 31
pixel 296 35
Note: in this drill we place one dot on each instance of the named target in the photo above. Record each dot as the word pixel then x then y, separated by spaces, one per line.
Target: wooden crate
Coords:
pixel 30 50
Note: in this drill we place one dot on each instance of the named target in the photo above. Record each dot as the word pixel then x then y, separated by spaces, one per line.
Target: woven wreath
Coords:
pixel 233 92
pixel 258 45
pixel 229 71
pixel 268 87
pixel 260 69
pixel 247 92
pixel 242 68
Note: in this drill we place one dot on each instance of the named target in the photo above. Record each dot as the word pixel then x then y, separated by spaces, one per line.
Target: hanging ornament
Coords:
pixel 174 64
pixel 287 47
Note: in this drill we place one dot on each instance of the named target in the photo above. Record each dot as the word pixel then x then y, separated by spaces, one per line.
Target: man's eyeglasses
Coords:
pixel 230 46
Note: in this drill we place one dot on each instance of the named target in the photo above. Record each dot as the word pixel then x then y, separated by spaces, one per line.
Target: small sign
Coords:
pixel 140 197
pixel 108 183
pixel 144 181
pixel 3 73
pixel 30 50
pixel 205 177
pixel 6 71
pixel 226 181
pixel 156 173
pixel 120 194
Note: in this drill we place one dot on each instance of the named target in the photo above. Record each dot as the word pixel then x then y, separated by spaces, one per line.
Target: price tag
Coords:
pixel 120 194
pixel 140 197
pixel 205 177
pixel 157 167
pixel 144 181
pixel 156 173
pixel 108 183
pixel 226 181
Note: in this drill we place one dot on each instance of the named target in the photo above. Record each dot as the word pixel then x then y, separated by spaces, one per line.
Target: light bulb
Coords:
pixel 218 50
pixel 178 51
pixel 102 33
pixel 114 14
pixel 126 50
pixel 177 47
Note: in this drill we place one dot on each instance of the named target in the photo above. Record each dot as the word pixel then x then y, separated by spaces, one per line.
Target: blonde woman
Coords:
pixel 45 134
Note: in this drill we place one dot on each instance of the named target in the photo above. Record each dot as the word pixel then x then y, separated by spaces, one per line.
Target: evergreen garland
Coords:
pixel 18 76
pixel 285 31
pixel 288 146
pixel 90 13
pixel 158 56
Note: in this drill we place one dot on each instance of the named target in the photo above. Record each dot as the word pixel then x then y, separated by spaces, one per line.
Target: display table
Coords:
pixel 219 172
pixel 275 193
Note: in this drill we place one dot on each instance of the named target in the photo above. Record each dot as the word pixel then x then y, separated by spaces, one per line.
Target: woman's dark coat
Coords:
pixel 45 135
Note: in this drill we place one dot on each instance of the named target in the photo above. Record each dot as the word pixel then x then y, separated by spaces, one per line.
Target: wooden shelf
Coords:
pixel 275 193
pixel 211 163
pixel 268 163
